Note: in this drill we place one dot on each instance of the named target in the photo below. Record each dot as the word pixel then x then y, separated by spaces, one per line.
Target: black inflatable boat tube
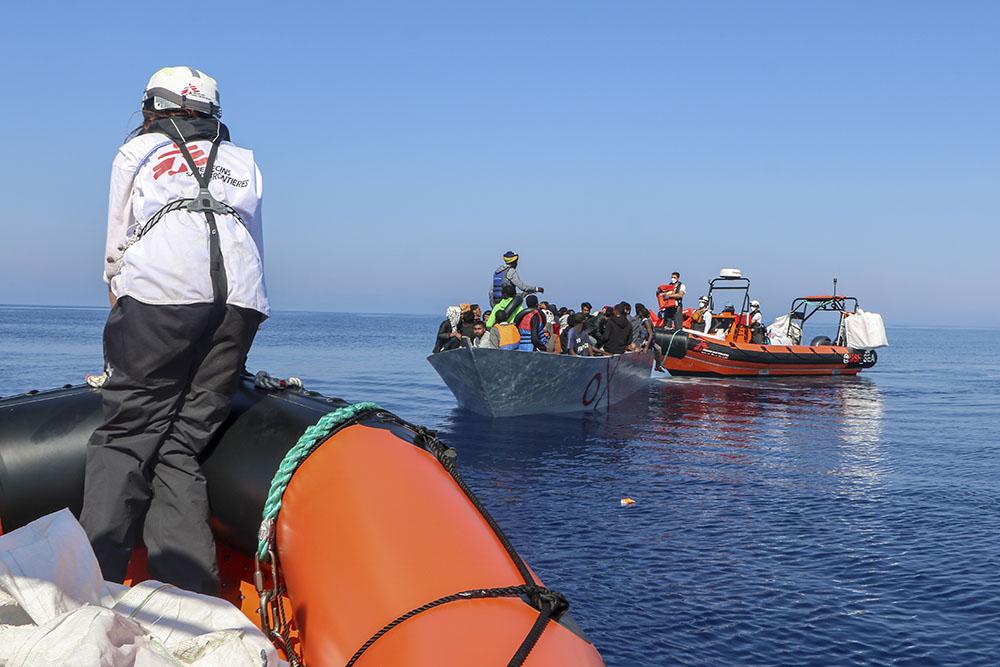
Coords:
pixel 43 444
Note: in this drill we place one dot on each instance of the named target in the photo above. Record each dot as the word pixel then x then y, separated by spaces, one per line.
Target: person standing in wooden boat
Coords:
pixel 506 274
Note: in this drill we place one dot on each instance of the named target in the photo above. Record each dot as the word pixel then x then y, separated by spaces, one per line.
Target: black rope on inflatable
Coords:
pixel 550 604
pixel 477 594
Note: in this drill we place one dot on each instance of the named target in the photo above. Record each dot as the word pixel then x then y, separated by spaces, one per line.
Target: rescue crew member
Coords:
pixel 186 285
pixel 506 274
pixel 671 300
pixel 757 332
pixel 531 325
pixel 701 318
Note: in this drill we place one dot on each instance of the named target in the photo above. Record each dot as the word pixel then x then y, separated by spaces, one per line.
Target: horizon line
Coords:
pixel 904 325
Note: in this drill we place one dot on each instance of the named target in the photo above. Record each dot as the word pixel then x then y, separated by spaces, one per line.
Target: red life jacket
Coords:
pixel 526 322
pixel 663 293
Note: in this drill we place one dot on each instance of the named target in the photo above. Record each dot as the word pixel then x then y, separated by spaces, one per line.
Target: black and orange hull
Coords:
pixel 688 353
pixel 374 523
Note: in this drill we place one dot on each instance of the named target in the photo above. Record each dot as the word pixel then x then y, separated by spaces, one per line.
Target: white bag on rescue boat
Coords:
pixel 55 609
pixel 784 332
pixel 865 331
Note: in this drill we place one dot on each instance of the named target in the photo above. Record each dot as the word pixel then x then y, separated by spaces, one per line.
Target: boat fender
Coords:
pixel 297 540
pixel 820 340
pixel 675 344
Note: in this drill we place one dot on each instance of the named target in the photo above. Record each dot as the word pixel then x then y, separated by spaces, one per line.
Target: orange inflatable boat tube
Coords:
pixel 388 559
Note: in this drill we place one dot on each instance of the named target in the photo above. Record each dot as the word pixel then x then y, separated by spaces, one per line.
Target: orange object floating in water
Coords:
pixel 626 501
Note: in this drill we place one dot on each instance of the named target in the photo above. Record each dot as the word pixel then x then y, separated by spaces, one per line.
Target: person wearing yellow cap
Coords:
pixel 506 274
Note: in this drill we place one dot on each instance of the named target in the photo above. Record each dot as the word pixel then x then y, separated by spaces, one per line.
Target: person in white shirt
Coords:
pixel 671 302
pixel 479 336
pixel 184 267
pixel 757 332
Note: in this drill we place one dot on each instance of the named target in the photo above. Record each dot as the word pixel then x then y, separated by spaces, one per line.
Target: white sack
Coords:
pixel 784 332
pixel 865 331
pixel 56 610
pixel 49 569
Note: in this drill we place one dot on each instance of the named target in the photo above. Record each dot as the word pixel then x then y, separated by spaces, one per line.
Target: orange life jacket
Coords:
pixel 663 293
pixel 510 337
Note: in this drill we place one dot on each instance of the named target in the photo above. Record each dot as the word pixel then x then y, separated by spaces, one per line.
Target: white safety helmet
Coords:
pixel 703 299
pixel 182 88
pixel 755 304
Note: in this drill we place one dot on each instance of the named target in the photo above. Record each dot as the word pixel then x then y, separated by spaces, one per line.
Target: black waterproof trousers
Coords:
pixel 174 370
pixel 672 317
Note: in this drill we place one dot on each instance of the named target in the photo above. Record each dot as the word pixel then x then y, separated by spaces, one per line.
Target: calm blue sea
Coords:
pixel 777 522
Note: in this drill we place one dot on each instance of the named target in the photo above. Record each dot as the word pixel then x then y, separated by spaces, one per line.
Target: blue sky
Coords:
pixel 405 146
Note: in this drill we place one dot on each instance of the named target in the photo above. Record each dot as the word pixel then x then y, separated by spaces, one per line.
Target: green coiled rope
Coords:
pixel 308 442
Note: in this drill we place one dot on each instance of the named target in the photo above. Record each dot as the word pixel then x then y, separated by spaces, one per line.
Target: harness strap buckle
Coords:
pixel 205 202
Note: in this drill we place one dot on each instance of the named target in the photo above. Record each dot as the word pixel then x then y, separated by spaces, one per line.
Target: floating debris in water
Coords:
pixel 626 501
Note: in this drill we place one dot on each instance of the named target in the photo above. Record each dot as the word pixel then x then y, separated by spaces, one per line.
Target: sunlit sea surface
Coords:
pixel 777 522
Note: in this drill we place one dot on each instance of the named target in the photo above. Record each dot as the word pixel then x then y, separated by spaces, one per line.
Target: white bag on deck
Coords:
pixel 865 331
pixel 784 332
pixel 55 609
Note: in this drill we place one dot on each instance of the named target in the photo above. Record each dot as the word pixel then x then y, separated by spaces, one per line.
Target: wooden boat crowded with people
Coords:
pixel 734 345
pixel 507 383
pixel 345 532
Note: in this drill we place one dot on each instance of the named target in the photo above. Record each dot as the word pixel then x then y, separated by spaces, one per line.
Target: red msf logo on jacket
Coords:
pixel 165 162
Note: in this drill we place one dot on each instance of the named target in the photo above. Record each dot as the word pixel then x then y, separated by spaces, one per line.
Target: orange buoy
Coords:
pixel 377 540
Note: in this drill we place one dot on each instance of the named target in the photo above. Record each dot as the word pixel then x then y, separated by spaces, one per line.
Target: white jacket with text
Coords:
pixel 169 264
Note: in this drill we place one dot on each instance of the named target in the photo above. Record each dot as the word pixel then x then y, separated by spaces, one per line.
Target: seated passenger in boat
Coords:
pixel 577 341
pixel 564 314
pixel 589 323
pixel 618 331
pixel 478 336
pixel 467 323
pixel 511 304
pixel 505 336
pixel 598 325
pixel 701 318
pixel 551 327
pixel 646 337
pixel 449 336
pixel 531 326
pixel 642 328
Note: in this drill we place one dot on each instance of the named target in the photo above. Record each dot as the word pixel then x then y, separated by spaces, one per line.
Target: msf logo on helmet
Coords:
pixel 190 89
pixel 165 162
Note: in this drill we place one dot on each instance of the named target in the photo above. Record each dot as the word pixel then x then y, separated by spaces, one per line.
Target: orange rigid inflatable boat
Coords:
pixel 373 552
pixel 732 346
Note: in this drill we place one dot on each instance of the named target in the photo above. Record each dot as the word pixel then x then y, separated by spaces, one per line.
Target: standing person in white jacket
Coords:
pixel 184 267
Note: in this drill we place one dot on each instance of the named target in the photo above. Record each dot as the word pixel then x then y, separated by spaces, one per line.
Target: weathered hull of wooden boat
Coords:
pixel 507 383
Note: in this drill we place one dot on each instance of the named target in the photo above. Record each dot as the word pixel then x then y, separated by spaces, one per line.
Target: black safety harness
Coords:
pixel 205 203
